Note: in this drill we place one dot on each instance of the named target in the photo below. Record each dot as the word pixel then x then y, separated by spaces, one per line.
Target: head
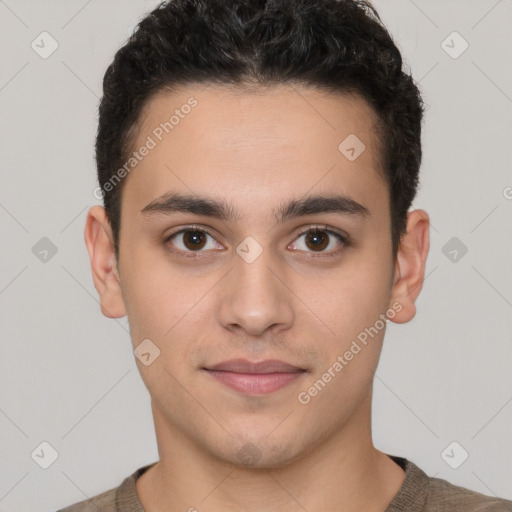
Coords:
pixel 246 123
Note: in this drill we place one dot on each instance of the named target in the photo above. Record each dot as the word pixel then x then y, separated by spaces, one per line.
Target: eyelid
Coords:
pixel 191 227
pixel 323 227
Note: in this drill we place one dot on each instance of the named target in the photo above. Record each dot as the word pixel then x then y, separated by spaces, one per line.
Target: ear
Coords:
pixel 410 265
pixel 100 246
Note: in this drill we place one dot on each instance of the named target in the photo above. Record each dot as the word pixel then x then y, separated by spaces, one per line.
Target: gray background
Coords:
pixel 68 375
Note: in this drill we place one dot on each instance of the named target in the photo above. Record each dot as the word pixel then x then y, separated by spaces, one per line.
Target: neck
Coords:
pixel 343 473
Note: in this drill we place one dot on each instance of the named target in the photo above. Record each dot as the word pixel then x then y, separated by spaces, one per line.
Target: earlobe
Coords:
pixel 99 243
pixel 410 265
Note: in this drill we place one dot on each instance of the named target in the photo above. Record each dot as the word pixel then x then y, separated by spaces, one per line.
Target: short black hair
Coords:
pixel 340 46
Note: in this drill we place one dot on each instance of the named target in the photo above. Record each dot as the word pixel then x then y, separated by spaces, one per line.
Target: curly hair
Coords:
pixel 340 46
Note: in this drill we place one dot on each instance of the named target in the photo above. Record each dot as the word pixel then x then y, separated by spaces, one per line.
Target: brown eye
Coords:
pixel 194 240
pixel 317 240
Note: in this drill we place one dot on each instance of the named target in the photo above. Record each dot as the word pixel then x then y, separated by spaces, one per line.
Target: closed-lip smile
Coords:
pixel 255 378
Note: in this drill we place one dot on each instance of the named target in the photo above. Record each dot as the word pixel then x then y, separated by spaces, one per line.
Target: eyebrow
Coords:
pixel 220 209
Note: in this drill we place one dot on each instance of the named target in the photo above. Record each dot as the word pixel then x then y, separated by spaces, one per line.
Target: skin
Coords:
pixel 257 150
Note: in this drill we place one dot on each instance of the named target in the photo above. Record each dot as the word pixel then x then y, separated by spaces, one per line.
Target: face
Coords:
pixel 248 232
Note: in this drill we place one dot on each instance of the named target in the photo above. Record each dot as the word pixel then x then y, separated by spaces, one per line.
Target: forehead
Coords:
pixel 262 142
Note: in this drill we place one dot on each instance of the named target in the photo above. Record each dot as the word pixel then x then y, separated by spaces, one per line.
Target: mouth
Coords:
pixel 251 378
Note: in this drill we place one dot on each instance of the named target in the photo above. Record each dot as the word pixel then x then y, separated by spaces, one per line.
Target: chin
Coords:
pixel 261 454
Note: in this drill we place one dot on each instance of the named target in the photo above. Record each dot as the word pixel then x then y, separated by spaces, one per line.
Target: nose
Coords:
pixel 256 297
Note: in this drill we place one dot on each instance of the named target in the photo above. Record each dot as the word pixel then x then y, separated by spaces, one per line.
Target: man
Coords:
pixel 257 162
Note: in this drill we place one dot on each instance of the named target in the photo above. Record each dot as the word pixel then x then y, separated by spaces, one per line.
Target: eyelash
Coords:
pixel 345 241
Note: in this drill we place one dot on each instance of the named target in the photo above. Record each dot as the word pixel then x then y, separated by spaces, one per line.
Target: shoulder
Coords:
pixel 121 498
pixel 106 502
pixel 423 493
pixel 445 496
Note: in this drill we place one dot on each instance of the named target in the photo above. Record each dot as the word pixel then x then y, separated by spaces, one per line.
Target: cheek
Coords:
pixel 349 356
pixel 165 305
pixel 154 297
pixel 349 298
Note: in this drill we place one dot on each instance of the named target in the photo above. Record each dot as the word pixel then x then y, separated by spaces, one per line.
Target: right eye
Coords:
pixel 190 240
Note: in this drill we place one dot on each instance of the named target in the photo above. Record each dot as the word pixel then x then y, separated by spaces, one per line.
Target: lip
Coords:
pixel 245 366
pixel 255 378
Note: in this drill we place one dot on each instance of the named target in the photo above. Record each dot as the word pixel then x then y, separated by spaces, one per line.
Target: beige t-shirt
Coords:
pixel 418 493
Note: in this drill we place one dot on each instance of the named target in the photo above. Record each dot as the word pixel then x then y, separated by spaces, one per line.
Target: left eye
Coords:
pixel 318 240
